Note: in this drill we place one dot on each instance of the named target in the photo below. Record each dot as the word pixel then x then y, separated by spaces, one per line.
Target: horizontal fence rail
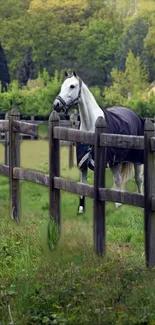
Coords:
pixel 26 128
pixel 73 187
pixel 4 126
pixel 106 140
pixel 4 170
pixel 122 141
pixel 31 176
pixel 73 135
pixel 123 197
pixel 152 143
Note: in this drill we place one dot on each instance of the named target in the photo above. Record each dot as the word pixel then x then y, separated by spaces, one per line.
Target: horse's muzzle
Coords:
pixel 57 105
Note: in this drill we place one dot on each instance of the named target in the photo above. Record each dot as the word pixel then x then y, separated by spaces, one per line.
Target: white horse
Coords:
pixel 74 91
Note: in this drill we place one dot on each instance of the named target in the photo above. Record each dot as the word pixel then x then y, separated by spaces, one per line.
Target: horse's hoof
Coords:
pixel 118 205
pixel 80 210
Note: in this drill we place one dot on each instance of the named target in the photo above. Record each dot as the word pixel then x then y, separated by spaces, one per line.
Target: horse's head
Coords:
pixel 69 94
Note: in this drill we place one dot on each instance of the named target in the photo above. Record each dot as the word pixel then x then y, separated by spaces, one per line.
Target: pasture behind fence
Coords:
pixel 100 140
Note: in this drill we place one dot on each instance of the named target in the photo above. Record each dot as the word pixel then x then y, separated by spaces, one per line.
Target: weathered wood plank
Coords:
pixel 4 170
pixel 31 176
pixel 63 123
pixel 74 135
pixel 26 128
pixel 152 143
pixel 70 124
pixel 149 190
pixel 122 141
pixel 123 197
pixel 71 155
pixel 99 181
pixel 104 194
pixel 37 123
pixel 71 150
pixel 60 183
pixel 4 125
pixel 64 143
pixel 73 187
pixel 54 169
pixel 153 203
pixel 14 161
pixel 6 141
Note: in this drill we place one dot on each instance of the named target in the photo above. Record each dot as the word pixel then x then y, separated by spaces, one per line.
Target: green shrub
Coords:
pixel 143 107
pixel 36 98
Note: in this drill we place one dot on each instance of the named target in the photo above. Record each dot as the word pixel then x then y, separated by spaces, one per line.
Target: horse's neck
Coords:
pixel 89 110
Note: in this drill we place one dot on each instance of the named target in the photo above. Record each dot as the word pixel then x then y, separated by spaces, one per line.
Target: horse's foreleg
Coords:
pixel 117 180
pixel 83 179
pixel 139 177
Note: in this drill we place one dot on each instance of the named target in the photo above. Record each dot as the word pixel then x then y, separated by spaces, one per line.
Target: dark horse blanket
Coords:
pixel 120 120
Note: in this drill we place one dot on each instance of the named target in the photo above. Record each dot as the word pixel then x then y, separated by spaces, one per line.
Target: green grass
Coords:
pixel 70 285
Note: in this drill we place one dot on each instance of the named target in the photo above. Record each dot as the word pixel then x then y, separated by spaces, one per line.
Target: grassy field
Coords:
pixel 70 285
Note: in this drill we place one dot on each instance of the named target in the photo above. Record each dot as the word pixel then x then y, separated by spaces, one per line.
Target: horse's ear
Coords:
pixel 74 73
pixel 66 74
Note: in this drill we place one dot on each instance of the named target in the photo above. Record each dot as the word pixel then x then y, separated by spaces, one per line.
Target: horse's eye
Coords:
pixel 72 86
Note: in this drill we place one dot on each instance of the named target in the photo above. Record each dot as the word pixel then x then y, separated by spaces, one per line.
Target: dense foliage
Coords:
pixel 91 36
pixel 38 95
pixel 35 98
pixel 100 39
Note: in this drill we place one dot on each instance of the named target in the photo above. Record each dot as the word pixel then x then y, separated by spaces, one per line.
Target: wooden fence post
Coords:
pixel 14 161
pixel 71 148
pixel 149 191
pixel 99 182
pixel 54 168
pixel 6 142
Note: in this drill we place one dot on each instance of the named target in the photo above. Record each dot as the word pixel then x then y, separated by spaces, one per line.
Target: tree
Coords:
pixel 14 22
pixel 133 80
pixel 149 46
pixel 11 9
pixel 4 72
pixel 92 36
pixel 67 11
pixel 97 48
pixel 26 71
pixel 136 74
pixel 132 39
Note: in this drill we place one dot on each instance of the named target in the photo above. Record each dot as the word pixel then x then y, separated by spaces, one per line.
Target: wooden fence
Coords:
pixel 100 140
